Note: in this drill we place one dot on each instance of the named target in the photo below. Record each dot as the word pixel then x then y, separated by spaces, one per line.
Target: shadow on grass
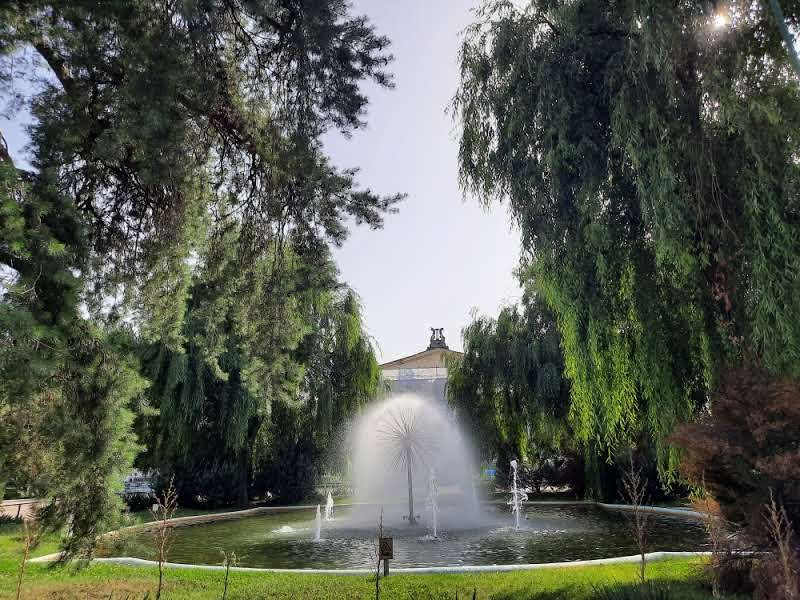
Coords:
pixel 626 591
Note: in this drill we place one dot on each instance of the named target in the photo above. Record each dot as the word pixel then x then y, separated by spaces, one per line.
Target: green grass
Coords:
pixel 100 581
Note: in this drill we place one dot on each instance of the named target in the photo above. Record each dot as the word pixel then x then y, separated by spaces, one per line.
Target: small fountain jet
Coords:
pixel 329 508
pixel 433 502
pixel 318 525
pixel 517 495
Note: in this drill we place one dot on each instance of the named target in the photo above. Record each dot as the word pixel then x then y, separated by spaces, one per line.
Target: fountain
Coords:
pixel 318 525
pixel 407 452
pixel 433 502
pixel 396 445
pixel 517 496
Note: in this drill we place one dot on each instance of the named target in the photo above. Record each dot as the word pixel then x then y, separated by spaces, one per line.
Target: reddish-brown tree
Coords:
pixel 745 451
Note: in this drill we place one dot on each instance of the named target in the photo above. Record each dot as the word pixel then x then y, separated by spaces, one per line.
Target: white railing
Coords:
pixel 418 373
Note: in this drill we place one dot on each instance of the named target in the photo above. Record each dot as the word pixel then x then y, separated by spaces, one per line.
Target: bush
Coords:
pixel 139 501
pixel 205 482
pixel 745 451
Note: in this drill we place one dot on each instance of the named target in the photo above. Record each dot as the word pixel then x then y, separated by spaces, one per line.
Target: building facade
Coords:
pixel 423 373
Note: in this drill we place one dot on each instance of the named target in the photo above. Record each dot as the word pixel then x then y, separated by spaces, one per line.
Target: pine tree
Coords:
pixel 169 139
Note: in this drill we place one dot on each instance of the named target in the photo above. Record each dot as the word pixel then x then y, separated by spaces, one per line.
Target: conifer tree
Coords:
pixel 169 138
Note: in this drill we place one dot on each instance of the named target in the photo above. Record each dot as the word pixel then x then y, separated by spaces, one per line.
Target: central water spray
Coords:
pixel 329 508
pixel 396 445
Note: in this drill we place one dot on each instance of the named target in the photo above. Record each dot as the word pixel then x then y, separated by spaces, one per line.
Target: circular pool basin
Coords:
pixel 549 533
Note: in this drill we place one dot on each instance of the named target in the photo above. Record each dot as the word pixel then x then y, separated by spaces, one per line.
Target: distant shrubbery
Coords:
pixel 139 501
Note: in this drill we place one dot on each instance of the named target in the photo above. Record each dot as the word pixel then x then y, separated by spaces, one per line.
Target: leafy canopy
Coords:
pixel 650 160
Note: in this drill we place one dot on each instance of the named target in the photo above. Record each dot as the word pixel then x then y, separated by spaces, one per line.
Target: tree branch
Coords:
pixel 56 63
pixel 4 154
pixel 787 36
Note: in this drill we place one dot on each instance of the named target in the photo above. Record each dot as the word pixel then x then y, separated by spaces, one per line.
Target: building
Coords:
pixel 423 373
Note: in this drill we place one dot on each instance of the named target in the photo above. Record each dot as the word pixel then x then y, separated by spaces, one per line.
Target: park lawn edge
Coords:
pixel 104 580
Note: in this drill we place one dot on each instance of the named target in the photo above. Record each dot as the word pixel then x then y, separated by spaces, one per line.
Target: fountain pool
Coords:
pixel 410 461
pixel 548 533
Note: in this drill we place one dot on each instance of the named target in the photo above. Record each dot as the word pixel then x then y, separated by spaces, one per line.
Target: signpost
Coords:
pixel 385 552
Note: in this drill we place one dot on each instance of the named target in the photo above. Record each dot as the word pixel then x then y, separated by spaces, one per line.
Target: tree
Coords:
pixel 170 137
pixel 66 385
pixel 342 373
pixel 744 452
pixel 220 429
pixel 160 115
pixel 340 376
pixel 649 158
pixel 509 386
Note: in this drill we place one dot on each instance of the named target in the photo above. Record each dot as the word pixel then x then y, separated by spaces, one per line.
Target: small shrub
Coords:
pixel 777 575
pixel 744 451
pixel 635 486
pixel 162 511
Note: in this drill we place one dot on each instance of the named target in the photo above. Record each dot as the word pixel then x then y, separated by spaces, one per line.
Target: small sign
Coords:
pixel 386 548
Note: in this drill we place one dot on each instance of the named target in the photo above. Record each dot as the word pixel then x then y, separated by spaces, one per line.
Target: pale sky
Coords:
pixel 440 256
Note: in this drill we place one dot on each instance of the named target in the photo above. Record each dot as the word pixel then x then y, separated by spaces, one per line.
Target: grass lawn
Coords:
pixel 104 581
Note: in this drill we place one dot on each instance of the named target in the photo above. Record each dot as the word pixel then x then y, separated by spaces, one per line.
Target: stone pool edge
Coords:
pixel 649 557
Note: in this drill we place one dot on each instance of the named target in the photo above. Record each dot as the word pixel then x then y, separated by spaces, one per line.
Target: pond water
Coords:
pixel 547 534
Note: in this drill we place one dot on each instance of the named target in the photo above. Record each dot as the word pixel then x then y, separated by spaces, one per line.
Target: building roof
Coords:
pixel 433 357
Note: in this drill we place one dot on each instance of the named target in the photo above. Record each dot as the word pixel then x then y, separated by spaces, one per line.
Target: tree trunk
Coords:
pixel 245 462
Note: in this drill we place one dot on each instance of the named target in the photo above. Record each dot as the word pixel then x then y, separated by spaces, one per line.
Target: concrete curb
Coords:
pixel 650 557
pixel 661 510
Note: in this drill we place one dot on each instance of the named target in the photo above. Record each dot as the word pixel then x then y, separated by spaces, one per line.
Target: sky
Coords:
pixel 442 255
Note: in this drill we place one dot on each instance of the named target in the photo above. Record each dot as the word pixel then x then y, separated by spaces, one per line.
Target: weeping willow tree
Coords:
pixel 214 393
pixel 509 388
pixel 342 373
pixel 232 397
pixel 649 154
pixel 306 436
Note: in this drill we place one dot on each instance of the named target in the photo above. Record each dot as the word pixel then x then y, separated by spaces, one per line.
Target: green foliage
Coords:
pixel 166 119
pixel 66 386
pixel 508 387
pixel 342 373
pixel 650 162
pixel 181 188
pixel 260 385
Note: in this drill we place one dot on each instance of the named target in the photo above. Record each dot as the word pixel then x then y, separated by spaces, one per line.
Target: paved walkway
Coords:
pixel 19 509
